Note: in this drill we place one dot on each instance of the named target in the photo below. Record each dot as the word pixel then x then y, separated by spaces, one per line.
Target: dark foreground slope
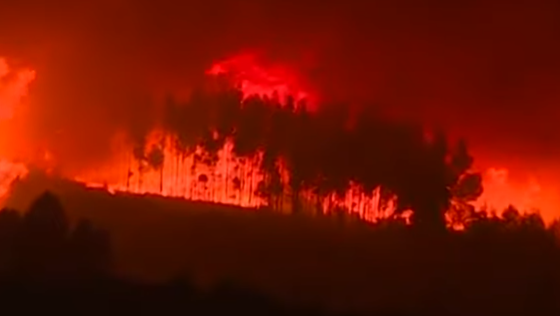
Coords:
pixel 109 297
pixel 319 261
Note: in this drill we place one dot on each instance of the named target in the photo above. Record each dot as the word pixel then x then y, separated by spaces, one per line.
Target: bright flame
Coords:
pixel 527 195
pixel 236 180
pixel 13 88
pixel 231 179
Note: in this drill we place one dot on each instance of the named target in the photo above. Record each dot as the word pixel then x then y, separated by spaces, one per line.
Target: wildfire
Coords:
pixel 229 180
pixel 162 168
pixel 13 88
pixel 224 178
pixel 529 194
pixel 237 180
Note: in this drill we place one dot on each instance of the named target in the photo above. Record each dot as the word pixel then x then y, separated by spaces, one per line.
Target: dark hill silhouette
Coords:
pixel 496 267
pixel 49 264
pixel 40 244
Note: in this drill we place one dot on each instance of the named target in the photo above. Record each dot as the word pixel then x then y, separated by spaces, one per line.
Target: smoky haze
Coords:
pixel 485 69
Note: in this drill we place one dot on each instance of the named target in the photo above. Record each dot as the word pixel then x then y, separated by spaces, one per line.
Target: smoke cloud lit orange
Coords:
pixel 13 87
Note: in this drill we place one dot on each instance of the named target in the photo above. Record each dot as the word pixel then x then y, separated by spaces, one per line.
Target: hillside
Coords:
pixel 296 258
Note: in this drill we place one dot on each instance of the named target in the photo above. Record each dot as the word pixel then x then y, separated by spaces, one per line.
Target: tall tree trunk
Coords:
pixel 296 209
pixel 250 182
pixel 193 183
pixel 226 180
pixel 185 178
pixel 140 177
pixel 213 184
pixel 281 199
pixel 318 204
pixel 128 175
pixel 177 173
pixel 161 180
pixel 243 181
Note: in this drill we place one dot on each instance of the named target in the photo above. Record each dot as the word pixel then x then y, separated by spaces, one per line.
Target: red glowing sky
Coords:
pixel 484 69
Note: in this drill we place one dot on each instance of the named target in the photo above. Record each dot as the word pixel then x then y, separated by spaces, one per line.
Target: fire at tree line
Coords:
pixel 309 161
pixel 264 151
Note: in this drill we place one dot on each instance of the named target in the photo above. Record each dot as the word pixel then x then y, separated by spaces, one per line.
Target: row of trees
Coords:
pixel 324 152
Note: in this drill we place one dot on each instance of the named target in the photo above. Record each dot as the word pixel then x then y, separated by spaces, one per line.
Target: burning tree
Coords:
pixel 233 143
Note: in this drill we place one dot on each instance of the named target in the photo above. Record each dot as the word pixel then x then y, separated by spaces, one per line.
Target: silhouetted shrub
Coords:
pixel 41 245
pixel 10 225
pixel 497 266
pixel 90 250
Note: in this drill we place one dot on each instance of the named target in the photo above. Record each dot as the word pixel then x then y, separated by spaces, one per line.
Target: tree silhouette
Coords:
pixel 511 216
pixel 43 239
pixel 466 187
pixel 212 143
pixel 40 246
pixel 275 144
pixel 325 153
pixel 430 181
pixel 138 131
pixel 10 225
pixel 139 154
pixel 91 250
pixel 172 125
pixel 249 137
pixel 301 157
pixel 156 159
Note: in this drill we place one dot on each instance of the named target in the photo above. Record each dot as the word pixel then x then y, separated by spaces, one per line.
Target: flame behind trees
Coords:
pixel 251 139
pixel 227 147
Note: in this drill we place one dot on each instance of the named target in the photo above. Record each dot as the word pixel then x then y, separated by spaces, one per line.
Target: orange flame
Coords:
pixel 528 195
pixel 231 179
pixel 236 180
pixel 13 88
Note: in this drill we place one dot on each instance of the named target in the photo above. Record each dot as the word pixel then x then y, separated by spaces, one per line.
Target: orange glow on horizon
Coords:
pixel 529 194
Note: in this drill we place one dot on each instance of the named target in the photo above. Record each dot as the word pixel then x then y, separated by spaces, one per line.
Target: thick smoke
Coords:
pixel 485 69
